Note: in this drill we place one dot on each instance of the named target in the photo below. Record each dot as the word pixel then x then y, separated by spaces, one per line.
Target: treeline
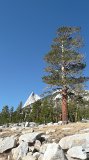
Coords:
pixel 49 110
pixel 46 110
pixel 8 115
pixel 42 111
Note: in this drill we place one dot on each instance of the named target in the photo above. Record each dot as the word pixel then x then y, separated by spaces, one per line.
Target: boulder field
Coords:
pixel 44 142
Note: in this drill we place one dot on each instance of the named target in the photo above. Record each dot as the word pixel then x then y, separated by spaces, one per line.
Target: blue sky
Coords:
pixel 27 28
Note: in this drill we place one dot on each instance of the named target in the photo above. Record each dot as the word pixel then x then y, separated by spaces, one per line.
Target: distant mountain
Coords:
pixel 53 96
pixel 31 99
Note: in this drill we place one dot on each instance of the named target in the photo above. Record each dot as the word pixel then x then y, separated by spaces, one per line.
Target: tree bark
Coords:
pixel 64 107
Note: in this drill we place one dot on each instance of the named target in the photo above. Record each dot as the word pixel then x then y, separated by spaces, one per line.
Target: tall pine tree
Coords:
pixel 65 64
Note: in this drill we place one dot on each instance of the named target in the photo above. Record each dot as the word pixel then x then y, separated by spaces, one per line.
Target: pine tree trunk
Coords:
pixel 64 107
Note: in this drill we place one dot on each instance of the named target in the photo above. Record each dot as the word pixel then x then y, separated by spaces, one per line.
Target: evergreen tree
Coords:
pixel 65 64
pixel 47 111
pixel 18 113
pixel 11 113
pixel 19 108
pixel 5 115
pixel 36 111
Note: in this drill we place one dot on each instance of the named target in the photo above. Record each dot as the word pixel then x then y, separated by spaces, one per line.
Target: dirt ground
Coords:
pixel 56 131
pixel 65 130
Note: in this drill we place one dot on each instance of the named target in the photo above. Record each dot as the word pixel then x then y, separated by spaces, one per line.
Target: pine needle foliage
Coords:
pixel 65 62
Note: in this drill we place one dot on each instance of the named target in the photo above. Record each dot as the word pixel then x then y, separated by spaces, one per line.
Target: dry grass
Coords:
pixel 64 130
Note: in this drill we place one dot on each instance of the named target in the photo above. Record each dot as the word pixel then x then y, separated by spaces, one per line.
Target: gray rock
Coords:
pixel 77 152
pixel 1 127
pixel 74 140
pixel 60 122
pixel 32 124
pixel 41 157
pixel 29 157
pixel 27 124
pixel 22 124
pixel 36 155
pixel 85 120
pixel 13 125
pixel 29 154
pixel 53 152
pixel 86 148
pixel 69 158
pixel 50 124
pixel 21 151
pixel 46 137
pixel 31 148
pixel 41 126
pixel 55 124
pixel 37 145
pixel 85 130
pixel 43 148
pixel 4 126
pixel 7 143
pixel 30 137
pixel 17 129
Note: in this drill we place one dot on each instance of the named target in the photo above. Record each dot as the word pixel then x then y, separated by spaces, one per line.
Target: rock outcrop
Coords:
pixel 53 152
pixel 30 137
pixel 20 151
pixel 7 143
pixel 74 140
